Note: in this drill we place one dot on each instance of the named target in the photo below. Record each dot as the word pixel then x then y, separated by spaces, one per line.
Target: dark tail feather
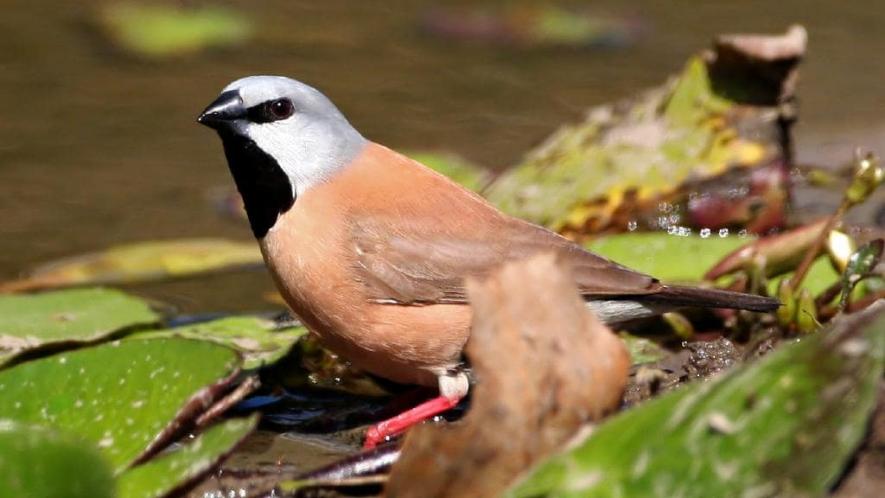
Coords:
pixel 678 295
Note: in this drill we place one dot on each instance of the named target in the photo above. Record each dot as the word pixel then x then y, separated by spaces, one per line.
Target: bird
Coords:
pixel 371 249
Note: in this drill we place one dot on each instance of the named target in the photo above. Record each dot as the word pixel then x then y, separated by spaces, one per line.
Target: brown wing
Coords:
pixel 407 265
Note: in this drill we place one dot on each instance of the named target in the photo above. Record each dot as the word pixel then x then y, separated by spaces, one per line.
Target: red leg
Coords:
pixel 379 432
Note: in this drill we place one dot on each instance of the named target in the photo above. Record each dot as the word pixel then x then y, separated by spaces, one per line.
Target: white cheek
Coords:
pixel 308 150
pixel 294 151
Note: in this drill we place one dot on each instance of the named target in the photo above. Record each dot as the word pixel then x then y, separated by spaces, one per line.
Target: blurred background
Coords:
pixel 98 143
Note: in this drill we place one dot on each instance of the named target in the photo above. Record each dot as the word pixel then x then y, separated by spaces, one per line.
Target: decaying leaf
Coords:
pixel 642 163
pixel 545 367
pixel 141 262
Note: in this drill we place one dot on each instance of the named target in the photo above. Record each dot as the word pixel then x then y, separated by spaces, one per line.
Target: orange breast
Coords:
pixel 312 259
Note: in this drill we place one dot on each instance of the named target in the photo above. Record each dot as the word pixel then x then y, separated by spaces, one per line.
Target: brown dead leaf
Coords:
pixel 545 366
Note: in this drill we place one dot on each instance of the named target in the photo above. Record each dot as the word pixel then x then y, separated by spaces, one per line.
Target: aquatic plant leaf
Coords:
pixel 37 462
pixel 256 339
pixel 71 316
pixel 157 31
pixel 671 258
pixel 141 262
pixel 453 166
pixel 125 397
pixel 655 162
pixel 783 426
pixel 175 469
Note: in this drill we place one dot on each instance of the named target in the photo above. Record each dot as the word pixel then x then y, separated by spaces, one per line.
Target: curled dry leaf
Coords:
pixel 545 366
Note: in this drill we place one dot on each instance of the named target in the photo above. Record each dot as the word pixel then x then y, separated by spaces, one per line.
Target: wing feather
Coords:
pixel 415 266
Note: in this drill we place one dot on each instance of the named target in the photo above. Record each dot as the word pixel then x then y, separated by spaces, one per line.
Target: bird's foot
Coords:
pixel 379 432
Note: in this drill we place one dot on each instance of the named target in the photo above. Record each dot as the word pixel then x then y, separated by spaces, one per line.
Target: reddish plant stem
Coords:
pixel 815 250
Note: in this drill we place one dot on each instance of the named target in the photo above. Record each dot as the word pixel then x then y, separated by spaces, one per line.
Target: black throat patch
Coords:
pixel 264 186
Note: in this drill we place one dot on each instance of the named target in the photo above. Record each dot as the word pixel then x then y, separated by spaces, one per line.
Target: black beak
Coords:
pixel 225 109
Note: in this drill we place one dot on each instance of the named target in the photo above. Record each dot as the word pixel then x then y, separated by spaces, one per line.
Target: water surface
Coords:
pixel 98 148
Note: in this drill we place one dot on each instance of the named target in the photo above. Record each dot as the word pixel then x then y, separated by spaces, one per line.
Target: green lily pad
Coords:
pixel 163 30
pixel 141 262
pixel 66 317
pixel 36 462
pixel 671 258
pixel 783 426
pixel 255 338
pixel 453 166
pixel 170 471
pixel 123 396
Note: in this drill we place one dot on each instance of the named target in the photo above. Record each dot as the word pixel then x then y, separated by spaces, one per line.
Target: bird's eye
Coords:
pixel 270 111
pixel 280 109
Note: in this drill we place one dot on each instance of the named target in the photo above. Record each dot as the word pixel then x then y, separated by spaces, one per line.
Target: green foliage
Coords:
pixel 163 474
pixel 118 396
pixel 453 166
pixel 254 338
pixel 36 462
pixel 670 258
pixel 783 426
pixel 159 31
pixel 70 316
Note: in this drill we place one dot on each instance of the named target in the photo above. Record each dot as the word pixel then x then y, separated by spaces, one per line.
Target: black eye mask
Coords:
pixel 270 111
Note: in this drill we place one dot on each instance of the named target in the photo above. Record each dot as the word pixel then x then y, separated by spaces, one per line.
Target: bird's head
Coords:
pixel 280 137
